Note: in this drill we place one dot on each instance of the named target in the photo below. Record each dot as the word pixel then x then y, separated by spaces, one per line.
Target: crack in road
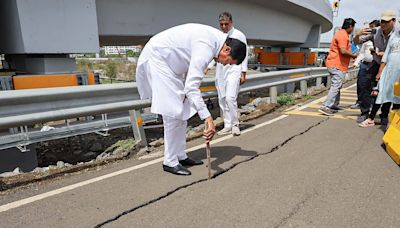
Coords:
pixel 213 177
pixel 294 211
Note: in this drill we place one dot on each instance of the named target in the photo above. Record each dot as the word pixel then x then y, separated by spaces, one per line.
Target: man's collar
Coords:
pixel 383 34
pixel 230 31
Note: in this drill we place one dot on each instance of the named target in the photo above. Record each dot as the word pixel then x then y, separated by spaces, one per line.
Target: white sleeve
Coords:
pixel 368 57
pixel 201 54
pixel 360 55
pixel 211 65
pixel 358 59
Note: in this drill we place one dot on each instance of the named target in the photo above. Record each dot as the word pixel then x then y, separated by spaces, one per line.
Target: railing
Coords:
pixel 29 107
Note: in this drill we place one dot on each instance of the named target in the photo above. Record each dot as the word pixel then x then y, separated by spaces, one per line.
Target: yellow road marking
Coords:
pixel 348 98
pixel 317 114
pixel 346 102
pixel 344 110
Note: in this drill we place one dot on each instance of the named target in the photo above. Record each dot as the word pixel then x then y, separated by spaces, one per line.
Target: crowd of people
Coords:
pixel 378 60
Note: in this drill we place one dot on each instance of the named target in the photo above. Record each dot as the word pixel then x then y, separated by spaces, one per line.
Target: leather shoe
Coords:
pixel 191 162
pixel 177 170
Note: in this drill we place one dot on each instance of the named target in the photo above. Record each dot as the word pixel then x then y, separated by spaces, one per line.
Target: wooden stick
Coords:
pixel 208 151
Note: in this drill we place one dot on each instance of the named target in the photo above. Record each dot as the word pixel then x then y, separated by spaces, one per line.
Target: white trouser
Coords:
pixel 228 90
pixel 228 105
pixel 174 140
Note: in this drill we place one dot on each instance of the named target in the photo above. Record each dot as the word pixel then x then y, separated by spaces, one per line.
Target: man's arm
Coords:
pixel 243 77
pixel 363 36
pixel 198 62
pixel 345 52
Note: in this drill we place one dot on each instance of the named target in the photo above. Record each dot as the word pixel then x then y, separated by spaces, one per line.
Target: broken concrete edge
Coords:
pixel 260 110
pixel 7 183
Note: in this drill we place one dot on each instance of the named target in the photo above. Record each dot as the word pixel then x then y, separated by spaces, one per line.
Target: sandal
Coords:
pixel 367 123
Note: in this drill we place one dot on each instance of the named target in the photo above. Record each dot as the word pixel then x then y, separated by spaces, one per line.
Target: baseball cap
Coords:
pixel 388 15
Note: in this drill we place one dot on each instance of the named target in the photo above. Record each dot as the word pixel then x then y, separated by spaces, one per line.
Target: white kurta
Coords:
pixel 230 74
pixel 171 67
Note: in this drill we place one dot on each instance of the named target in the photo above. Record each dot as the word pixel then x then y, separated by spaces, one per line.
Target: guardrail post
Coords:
pixel 319 83
pixel 137 127
pixel 303 87
pixel 273 94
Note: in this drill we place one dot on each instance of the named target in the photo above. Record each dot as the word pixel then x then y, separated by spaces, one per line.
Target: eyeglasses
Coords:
pixel 385 22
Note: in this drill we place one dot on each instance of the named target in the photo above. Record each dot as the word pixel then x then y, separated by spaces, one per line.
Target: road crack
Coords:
pixel 215 176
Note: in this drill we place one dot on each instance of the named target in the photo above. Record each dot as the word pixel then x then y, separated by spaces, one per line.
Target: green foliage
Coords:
pixel 121 146
pixel 308 97
pixel 111 69
pixel 84 65
pixel 286 99
pixel 131 53
pixel 102 53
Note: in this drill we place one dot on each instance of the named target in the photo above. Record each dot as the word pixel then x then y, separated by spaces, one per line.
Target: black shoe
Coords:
pixel 190 162
pixel 177 170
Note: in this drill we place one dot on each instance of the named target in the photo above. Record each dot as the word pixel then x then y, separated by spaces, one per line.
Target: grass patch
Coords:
pixel 286 99
pixel 308 97
pixel 121 146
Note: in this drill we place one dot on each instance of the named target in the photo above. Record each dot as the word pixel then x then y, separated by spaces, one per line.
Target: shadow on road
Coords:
pixel 221 155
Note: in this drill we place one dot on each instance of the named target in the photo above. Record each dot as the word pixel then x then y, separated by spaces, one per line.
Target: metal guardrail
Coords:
pixel 29 107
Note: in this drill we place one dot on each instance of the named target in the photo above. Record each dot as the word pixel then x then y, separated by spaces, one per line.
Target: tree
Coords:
pixel 111 70
pixel 130 53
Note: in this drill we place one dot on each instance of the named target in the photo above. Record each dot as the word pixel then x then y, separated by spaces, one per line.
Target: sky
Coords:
pixel 361 11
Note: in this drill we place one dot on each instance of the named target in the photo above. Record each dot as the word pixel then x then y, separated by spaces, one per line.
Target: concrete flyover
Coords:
pixel 38 34
pixel 279 22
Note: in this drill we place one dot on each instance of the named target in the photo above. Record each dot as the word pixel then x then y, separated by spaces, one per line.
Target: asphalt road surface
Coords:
pixel 293 169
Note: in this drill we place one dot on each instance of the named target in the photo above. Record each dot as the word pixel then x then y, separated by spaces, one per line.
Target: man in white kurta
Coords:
pixel 228 80
pixel 169 72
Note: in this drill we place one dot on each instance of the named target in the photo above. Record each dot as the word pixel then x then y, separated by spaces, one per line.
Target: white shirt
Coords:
pixel 365 53
pixel 232 73
pixel 182 52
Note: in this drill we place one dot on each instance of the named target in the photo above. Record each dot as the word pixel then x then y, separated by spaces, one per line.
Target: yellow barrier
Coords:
pixel 391 139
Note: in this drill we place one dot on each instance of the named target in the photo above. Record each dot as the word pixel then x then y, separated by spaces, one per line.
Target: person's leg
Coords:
pixel 337 100
pixel 233 113
pixel 174 140
pixel 361 81
pixel 385 113
pixel 369 122
pixel 366 88
pixel 334 91
pixel 223 105
pixel 374 110
pixel 225 114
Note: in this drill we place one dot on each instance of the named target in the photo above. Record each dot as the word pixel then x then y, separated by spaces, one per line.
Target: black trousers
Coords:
pixel 366 86
pixel 385 108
